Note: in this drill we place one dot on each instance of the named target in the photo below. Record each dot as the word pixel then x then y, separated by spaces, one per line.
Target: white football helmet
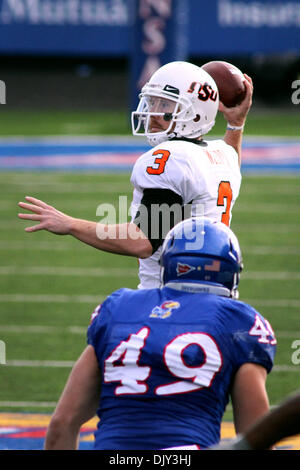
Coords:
pixel 185 95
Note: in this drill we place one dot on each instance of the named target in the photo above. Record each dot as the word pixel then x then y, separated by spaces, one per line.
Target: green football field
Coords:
pixel 49 122
pixel 51 284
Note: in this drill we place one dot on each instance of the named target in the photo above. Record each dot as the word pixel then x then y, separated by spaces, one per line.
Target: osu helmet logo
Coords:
pixel 165 309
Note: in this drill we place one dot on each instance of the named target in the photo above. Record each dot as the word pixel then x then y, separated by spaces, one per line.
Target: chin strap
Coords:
pixel 160 138
pixel 235 294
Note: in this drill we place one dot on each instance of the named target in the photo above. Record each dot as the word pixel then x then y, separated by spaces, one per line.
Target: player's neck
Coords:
pixel 198 141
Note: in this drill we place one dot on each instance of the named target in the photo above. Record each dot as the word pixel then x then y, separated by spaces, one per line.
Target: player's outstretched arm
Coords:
pixel 125 239
pixel 236 117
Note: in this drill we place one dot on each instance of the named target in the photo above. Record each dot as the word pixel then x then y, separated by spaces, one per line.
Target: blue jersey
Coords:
pixel 168 359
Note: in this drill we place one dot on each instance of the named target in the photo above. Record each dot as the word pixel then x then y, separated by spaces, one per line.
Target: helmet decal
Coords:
pixel 171 89
pixel 183 269
pixel 205 91
pixel 215 266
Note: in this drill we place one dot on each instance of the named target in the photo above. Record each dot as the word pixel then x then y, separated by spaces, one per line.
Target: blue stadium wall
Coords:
pixel 112 42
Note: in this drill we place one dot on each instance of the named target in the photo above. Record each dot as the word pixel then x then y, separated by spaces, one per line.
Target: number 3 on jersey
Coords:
pixel 160 161
pixel 225 198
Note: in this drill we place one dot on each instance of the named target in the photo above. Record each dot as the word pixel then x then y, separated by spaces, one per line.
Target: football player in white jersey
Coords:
pixel 178 106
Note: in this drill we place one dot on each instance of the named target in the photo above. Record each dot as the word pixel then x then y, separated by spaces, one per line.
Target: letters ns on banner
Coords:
pixel 2 92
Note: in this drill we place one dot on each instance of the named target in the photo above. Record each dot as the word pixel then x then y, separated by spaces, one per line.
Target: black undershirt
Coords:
pixel 160 209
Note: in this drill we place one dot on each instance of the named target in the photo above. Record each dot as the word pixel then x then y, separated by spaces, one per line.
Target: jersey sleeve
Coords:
pixel 97 325
pixel 167 166
pixel 101 317
pixel 153 226
pixel 254 339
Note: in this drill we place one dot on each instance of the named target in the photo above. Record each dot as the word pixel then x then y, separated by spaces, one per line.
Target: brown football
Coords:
pixel 229 80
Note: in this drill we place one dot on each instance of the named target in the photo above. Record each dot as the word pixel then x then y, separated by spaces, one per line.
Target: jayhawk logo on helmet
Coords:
pixel 183 269
pixel 165 309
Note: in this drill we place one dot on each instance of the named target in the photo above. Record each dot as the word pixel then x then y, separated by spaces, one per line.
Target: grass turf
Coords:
pixel 50 285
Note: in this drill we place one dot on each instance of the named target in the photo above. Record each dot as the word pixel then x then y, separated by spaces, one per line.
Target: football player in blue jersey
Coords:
pixel 162 364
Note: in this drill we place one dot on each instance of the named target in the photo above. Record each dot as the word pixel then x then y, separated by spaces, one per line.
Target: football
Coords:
pixel 229 80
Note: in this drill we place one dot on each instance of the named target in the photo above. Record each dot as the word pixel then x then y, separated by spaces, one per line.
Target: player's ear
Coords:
pixel 222 107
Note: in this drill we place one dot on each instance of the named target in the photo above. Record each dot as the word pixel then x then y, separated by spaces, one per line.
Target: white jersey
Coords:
pixel 206 176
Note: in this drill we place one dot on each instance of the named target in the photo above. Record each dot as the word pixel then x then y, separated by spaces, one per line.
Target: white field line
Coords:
pixel 263 228
pixel 71 206
pixel 69 188
pixel 63 187
pixel 128 272
pixel 272 227
pixel 60 180
pixel 28 404
pixel 40 298
pixel 285 368
pixel 59 271
pixel 39 245
pixel 281 303
pixel 115 188
pixel 78 204
pixel 36 363
pixel 267 208
pixel 287 334
pixel 81 330
pixel 54 245
pixel 96 299
pixel 39 329
pixel 50 404
pixel 264 190
pixel 19 225
pixel 69 364
pixel 271 276
pixel 269 250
